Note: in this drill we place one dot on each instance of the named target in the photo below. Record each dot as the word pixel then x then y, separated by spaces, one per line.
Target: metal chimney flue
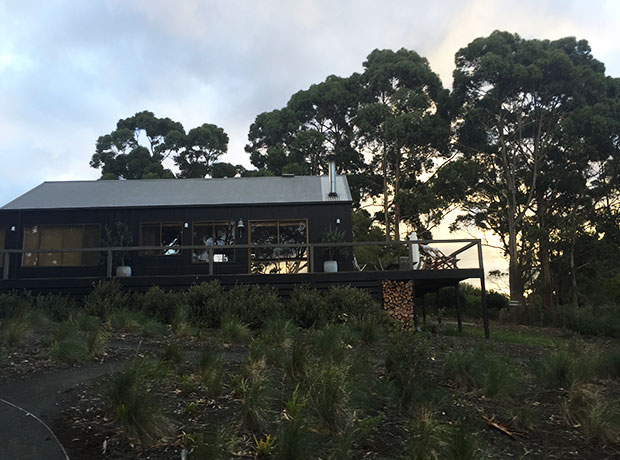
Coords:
pixel 331 158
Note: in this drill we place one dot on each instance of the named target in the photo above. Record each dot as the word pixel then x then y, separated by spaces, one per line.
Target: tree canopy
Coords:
pixel 138 146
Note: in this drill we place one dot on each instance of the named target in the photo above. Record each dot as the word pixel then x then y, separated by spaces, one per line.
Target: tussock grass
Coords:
pixel 15 329
pixel 132 404
pixel 232 329
pixel 599 418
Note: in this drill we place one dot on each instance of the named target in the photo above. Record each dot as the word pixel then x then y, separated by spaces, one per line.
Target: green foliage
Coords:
pixel 105 298
pixel 296 361
pixel 462 367
pixel 210 370
pixel 15 329
pixel 255 406
pixel 264 447
pixel 68 345
pixel 366 329
pixel 307 307
pixel 407 362
pixel 600 321
pixel 232 329
pixel 205 303
pixel 499 378
pixel 253 304
pixel 96 342
pixel 462 445
pixel 172 356
pixel 159 304
pixel 132 404
pixel 557 369
pixel 329 343
pixel 57 307
pixel 427 436
pixel 217 444
pixel 328 393
pixel 14 303
pixel 346 302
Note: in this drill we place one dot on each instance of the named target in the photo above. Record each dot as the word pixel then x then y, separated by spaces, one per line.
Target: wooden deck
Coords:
pixel 424 281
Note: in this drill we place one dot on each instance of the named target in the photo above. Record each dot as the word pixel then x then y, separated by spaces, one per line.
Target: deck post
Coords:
pixel 424 310
pixel 483 293
pixel 459 321
pixel 109 264
pixel 211 260
pixel 5 269
pixel 311 257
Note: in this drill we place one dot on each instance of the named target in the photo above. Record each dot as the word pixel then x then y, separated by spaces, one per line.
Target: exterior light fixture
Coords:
pixel 240 228
pixel 186 225
pixel 13 228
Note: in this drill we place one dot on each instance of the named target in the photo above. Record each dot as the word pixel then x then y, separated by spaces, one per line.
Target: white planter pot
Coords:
pixel 123 271
pixel 330 266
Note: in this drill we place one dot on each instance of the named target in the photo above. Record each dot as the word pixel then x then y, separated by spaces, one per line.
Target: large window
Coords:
pixel 61 237
pixel 213 234
pixel 279 260
pixel 2 242
pixel 167 234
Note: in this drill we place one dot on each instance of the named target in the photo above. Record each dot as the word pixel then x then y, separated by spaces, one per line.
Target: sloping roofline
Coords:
pixel 181 192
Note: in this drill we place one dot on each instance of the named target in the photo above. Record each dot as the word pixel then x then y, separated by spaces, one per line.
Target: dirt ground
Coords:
pixel 71 399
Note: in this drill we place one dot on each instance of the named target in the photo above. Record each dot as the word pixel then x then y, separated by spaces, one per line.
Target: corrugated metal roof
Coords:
pixel 180 192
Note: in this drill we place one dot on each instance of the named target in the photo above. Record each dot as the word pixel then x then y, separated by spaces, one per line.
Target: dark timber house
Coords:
pixel 58 237
pixel 168 213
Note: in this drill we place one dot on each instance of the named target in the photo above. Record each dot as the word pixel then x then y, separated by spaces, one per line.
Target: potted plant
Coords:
pixel 119 236
pixel 330 265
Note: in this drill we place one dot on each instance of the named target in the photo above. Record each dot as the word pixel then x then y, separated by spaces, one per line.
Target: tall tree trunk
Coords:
pixel 514 271
pixel 396 205
pixel 386 203
pixel 573 273
pixel 543 254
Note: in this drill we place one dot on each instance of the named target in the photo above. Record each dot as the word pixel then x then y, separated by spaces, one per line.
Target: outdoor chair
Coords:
pixel 433 259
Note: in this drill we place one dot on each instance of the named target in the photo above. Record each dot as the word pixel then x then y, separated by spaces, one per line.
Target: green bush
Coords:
pixel 106 297
pixel 308 307
pixel 205 303
pixel 253 305
pixel 159 304
pixel 345 302
pixel 601 321
pixel 13 303
pixel 57 307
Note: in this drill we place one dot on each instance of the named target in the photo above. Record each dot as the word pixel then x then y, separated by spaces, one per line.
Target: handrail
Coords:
pixel 311 247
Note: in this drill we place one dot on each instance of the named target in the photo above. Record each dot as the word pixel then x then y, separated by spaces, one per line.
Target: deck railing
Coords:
pixel 431 255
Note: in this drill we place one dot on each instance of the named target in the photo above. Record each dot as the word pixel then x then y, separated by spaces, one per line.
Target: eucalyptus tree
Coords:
pixel 138 146
pixel 515 100
pixel 317 121
pixel 402 127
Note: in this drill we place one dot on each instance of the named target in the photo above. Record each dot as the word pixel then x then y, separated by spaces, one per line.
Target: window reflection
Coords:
pixel 279 260
pixel 213 234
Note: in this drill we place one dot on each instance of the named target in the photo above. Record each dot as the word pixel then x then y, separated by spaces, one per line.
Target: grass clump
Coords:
pixel 210 371
pixel 218 444
pixel 598 417
pixel 15 329
pixel 233 329
pixel 294 437
pixel 133 405
pixel 328 393
pixel 68 346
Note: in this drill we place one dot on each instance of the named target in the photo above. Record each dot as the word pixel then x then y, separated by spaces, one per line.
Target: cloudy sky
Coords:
pixel 70 69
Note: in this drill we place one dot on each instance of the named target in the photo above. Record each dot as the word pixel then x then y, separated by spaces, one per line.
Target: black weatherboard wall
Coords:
pixel 181 201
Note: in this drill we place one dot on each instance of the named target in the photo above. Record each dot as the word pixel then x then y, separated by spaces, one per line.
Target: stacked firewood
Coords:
pixel 398 301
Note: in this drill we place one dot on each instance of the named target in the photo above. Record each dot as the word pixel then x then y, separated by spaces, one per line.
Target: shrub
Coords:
pixel 558 368
pixel 602 321
pixel 499 378
pixel 426 436
pixel 278 331
pixel 608 363
pixel 159 304
pixel 133 406
pixel 462 445
pixel 296 360
pixel 210 371
pixel 308 307
pixel 406 358
pixel 295 441
pixel 345 302
pixel 106 297
pixel 253 305
pixel 367 329
pixel 205 303
pixel 172 356
pixel 57 307
pixel 13 304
